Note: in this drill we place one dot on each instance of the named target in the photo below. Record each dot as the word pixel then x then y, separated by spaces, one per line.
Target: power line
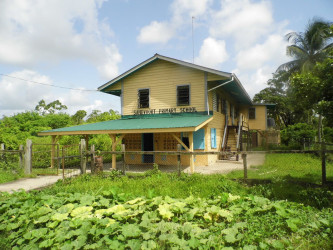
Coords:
pixel 46 84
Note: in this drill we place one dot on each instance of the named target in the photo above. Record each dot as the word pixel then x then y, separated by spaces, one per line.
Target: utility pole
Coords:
pixel 192 40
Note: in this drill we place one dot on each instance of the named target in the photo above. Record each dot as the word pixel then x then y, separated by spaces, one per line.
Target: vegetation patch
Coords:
pixel 109 220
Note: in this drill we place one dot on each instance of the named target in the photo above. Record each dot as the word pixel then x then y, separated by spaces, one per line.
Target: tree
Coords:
pixel 314 90
pixel 98 116
pixel 43 108
pixel 77 118
pixel 308 47
pixel 287 110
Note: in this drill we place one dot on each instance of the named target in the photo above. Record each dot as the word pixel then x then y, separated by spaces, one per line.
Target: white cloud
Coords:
pixel 272 51
pixel 33 32
pixel 244 20
pixel 156 32
pixel 182 12
pixel 16 94
pixel 212 53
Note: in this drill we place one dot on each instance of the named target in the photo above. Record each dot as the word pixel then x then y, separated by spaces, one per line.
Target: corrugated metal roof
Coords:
pixel 154 122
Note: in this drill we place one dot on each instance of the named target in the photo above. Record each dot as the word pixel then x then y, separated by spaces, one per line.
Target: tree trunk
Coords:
pixel 319 127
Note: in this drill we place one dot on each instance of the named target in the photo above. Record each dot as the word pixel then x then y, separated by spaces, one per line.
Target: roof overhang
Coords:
pixel 234 88
pixel 165 58
pixel 162 124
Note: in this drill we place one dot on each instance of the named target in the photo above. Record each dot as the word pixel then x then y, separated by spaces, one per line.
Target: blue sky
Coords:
pixel 82 44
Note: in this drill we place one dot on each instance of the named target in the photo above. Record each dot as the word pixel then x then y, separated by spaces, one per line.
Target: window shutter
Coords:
pixel 214 101
pixel 199 139
pixel 213 137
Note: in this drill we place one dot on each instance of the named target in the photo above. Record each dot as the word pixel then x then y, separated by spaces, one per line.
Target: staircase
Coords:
pixel 233 140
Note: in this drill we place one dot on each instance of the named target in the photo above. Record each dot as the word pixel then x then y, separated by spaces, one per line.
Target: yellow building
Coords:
pixel 165 102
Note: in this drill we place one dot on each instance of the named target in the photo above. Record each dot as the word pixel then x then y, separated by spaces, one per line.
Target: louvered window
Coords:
pixel 143 98
pixel 183 95
pixel 252 113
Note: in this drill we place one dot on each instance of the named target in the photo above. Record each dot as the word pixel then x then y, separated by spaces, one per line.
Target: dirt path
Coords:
pixel 29 183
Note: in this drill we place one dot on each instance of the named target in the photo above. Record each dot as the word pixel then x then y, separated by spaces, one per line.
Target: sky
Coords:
pixel 79 45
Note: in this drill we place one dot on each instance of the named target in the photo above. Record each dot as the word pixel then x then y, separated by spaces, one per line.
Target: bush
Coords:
pixel 294 135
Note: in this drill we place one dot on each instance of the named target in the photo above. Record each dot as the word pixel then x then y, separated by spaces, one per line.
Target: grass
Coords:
pixel 295 167
pixel 7 176
pixel 161 184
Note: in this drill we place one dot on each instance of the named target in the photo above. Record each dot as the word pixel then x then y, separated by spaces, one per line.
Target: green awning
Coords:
pixel 146 124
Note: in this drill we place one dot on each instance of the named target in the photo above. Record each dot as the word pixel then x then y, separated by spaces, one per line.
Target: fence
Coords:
pixel 70 160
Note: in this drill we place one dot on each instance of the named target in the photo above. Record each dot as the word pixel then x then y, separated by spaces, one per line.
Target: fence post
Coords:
pixel 83 156
pixel 2 148
pixel 323 163
pixel 245 166
pixel 123 156
pixel 28 157
pixel 21 157
pixel 179 148
pixel 92 155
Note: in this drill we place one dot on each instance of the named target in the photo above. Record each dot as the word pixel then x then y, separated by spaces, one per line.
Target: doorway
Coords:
pixel 148 145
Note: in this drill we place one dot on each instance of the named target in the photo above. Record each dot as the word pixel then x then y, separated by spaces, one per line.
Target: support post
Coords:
pixel 114 158
pixel 123 156
pixel 245 165
pixel 2 148
pixel 179 148
pixel 92 159
pixel 21 164
pixel 83 156
pixel 190 138
pixel 28 157
pixel 53 142
pixel 323 163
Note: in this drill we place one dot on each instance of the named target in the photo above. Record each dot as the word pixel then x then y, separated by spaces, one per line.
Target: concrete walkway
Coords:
pixel 29 183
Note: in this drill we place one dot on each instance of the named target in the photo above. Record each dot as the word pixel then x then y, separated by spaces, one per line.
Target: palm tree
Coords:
pixel 308 47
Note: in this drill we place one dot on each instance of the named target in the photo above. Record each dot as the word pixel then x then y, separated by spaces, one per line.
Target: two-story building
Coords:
pixel 165 102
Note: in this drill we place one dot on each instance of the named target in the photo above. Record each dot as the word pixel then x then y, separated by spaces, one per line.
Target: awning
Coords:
pixel 145 124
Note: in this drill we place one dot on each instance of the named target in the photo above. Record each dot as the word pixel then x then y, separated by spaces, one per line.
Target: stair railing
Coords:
pixel 225 133
pixel 239 131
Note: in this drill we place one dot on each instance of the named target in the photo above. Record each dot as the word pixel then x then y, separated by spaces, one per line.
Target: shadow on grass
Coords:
pixel 296 189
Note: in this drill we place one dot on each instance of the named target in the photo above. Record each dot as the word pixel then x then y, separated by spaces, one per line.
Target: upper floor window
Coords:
pixel 143 98
pixel 183 95
pixel 252 113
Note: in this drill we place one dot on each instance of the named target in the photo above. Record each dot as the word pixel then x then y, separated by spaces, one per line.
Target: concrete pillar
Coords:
pixel 83 156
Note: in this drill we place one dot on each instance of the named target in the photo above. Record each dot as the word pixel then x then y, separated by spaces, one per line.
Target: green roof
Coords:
pixel 126 124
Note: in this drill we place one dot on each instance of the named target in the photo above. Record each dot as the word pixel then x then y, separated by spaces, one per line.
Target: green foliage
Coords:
pixel 50 108
pixel 98 116
pixel 295 134
pixel 107 220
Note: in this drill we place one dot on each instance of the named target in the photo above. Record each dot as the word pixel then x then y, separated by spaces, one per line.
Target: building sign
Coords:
pixel 165 111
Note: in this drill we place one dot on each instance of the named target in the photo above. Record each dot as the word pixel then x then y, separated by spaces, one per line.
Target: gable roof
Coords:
pixel 165 58
pixel 235 88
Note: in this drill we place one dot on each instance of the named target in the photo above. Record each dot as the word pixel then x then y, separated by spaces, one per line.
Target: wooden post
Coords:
pixel 179 148
pixel 63 162
pixel 2 148
pixel 114 159
pixel 53 142
pixel 245 166
pixel 83 156
pixel 28 157
pixel 323 163
pixel 21 157
pixel 190 138
pixel 123 156
pixel 92 159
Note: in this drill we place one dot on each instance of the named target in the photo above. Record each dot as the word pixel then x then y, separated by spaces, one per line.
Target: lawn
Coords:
pixel 296 167
pixel 7 176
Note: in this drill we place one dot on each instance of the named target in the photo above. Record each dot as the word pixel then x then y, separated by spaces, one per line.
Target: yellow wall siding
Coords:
pixel 162 78
pixel 260 121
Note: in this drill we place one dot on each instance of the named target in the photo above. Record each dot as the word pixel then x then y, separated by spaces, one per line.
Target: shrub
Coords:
pixel 294 135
